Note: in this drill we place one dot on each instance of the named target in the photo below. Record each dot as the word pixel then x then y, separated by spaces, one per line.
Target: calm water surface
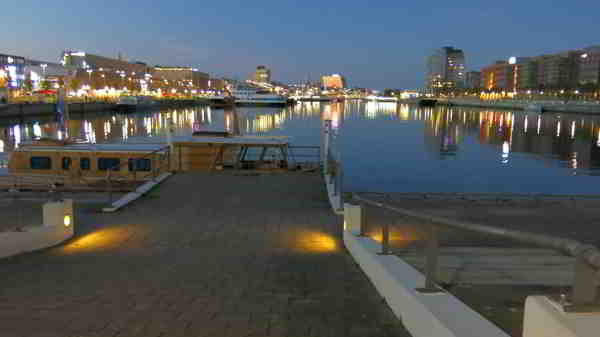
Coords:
pixel 386 146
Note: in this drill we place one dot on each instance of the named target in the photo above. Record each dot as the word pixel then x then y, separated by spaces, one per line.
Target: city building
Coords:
pixel 12 71
pixel 217 84
pixel 589 66
pixel 185 78
pixel 526 73
pixel 334 81
pixel 94 72
pixel 262 75
pixel 498 76
pixel 54 73
pixel 446 69
pixel 473 80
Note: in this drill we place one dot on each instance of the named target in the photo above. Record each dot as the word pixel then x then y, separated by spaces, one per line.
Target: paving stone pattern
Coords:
pixel 204 255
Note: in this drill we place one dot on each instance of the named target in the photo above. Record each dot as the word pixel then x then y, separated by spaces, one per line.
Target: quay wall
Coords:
pixel 42 109
pixel 552 106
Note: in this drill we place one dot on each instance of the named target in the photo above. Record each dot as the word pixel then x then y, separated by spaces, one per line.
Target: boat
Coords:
pixel 248 95
pixel 70 163
pixel 133 103
pixel 314 98
pixel 381 98
pixel 220 102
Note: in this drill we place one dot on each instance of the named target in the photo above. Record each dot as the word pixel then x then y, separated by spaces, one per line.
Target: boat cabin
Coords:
pixel 83 162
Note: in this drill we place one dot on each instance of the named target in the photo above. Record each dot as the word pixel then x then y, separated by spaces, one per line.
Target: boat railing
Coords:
pixel 161 162
pixel 584 296
pixel 304 156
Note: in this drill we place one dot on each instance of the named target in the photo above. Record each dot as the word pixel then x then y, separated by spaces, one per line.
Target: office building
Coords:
pixel 498 76
pixel 446 69
pixel 589 66
pixel 473 80
pixel 334 81
pixel 262 75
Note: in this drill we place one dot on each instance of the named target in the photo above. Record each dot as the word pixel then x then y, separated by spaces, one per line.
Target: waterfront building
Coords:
pixel 181 78
pixel 94 72
pixel 526 74
pixel 499 76
pixel 473 80
pixel 12 71
pixel 589 66
pixel 334 81
pixel 556 71
pixel 217 84
pixel 446 69
pixel 38 71
pixel 262 75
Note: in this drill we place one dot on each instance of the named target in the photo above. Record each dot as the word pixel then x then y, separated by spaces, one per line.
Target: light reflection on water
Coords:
pixel 386 146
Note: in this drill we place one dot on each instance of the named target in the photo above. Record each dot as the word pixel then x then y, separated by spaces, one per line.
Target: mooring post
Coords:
pixel 431 263
pixel 585 291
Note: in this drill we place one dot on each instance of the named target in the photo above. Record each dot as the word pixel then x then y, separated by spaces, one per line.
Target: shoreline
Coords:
pixel 538 106
pixel 21 110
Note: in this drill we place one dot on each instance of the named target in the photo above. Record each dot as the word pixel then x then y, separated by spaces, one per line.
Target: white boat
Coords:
pixel 135 102
pixel 247 95
pixel 381 98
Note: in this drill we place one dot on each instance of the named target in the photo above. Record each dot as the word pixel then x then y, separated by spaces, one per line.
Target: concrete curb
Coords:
pixel 35 238
pixel 333 199
pixel 131 197
pixel 424 315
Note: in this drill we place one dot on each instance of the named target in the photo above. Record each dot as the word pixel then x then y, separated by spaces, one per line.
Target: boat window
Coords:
pixel 66 163
pixel 41 163
pixel 109 163
pixel 140 164
pixel 84 163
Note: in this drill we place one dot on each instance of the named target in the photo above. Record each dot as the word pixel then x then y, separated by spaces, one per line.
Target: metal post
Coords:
pixel 110 192
pixel 385 239
pixel 431 263
pixel 584 286
pixel 363 220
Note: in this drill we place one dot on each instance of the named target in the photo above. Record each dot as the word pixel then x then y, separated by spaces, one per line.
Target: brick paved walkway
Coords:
pixel 204 255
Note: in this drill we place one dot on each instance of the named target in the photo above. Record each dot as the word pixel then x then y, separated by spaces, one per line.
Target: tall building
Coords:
pixel 589 66
pixel 526 73
pixel 499 76
pixel 446 68
pixel 263 74
pixel 334 81
pixel 473 80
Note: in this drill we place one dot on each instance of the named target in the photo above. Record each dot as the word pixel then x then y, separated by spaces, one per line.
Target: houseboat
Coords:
pixel 248 95
pixel 76 163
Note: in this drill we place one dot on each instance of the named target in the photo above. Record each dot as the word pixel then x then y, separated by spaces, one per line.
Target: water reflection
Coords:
pixel 384 132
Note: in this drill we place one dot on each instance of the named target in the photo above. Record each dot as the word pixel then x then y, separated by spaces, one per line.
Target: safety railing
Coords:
pixel 584 296
pixel 304 156
pixel 160 162
pixel 332 168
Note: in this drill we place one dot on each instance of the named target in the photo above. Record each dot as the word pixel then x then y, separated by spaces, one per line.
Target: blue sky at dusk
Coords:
pixel 376 44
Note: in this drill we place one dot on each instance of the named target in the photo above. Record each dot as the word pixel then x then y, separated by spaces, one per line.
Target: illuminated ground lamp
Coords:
pixel 59 214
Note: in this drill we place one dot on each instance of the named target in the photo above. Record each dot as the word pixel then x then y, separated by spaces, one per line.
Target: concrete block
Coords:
pixel 56 229
pixel 544 317
pixel 424 315
pixel 352 217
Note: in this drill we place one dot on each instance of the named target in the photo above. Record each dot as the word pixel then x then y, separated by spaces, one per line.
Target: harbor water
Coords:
pixel 385 147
